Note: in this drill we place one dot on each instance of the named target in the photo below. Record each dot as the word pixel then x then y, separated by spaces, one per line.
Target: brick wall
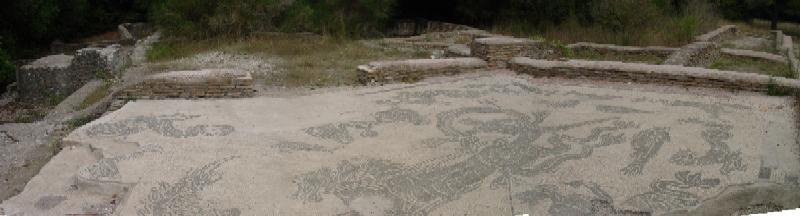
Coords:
pixel 655 74
pixel 210 83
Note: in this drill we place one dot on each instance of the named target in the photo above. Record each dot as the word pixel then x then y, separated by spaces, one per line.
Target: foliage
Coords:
pixel 627 22
pixel 238 18
pixel 27 27
pixel 8 71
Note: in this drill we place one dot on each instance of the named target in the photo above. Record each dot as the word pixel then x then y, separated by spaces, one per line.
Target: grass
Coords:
pixel 97 95
pixel 752 66
pixel 608 56
pixel 764 47
pixel 308 60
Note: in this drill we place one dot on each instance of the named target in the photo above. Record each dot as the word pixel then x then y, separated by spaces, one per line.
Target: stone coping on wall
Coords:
pixel 608 48
pixel 60 61
pixel 415 69
pixel 754 55
pixel 719 33
pixel 657 74
pixel 207 83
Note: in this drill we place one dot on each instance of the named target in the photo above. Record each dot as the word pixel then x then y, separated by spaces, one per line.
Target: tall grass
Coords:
pixel 306 59
pixel 626 22
pixel 240 18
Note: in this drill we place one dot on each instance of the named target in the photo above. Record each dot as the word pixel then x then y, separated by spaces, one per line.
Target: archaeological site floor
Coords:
pixel 477 144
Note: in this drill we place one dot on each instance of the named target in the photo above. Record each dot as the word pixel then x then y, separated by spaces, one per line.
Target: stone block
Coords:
pixel 656 74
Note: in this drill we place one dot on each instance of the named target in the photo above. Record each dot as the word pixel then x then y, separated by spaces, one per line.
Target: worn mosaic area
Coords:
pixel 475 146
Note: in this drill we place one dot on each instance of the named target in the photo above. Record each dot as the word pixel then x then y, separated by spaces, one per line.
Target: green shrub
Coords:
pixel 239 18
pixel 8 72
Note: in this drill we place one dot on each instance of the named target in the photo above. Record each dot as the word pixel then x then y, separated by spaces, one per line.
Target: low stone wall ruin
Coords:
pixel 655 74
pixel 755 55
pixel 416 69
pixel 719 34
pixel 57 76
pixel 412 27
pixel 210 83
pixel 623 50
pixel 458 50
pixel 497 51
pixel 786 47
pixel 698 54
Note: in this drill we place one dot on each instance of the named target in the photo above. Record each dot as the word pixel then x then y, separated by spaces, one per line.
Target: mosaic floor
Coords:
pixel 487 145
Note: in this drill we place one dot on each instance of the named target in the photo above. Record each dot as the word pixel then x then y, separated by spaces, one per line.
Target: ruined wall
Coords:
pixel 786 47
pixel 698 54
pixel 623 50
pixel 210 83
pixel 410 27
pixel 497 51
pixel 416 69
pixel 754 55
pixel 655 74
pixel 46 78
pixel 57 76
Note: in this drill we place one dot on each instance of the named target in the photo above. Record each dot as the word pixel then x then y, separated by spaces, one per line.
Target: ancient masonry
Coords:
pixel 643 73
pixel 683 66
pixel 697 54
pixel 57 76
pixel 192 84
pixel 785 45
pixel 627 50
pixel 413 70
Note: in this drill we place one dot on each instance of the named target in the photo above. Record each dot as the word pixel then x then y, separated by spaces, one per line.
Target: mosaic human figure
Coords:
pixel 420 188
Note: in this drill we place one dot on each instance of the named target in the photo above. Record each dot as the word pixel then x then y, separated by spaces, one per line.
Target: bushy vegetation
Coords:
pixel 626 22
pixel 212 18
pixel 7 71
pixel 27 27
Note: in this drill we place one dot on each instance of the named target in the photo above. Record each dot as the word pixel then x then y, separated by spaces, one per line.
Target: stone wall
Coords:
pixel 497 51
pixel 412 27
pixel 788 50
pixel 416 69
pixel 130 32
pixel 437 40
pixel 755 55
pixel 107 62
pixel 698 54
pixel 655 74
pixel 721 33
pixel 458 50
pixel 209 83
pixel 45 79
pixel 623 50
pixel 57 76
